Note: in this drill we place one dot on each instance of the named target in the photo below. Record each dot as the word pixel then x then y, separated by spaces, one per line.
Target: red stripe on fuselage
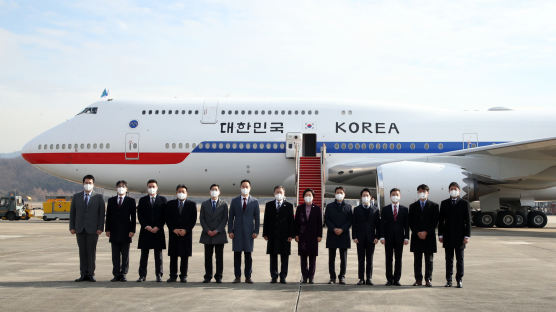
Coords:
pixel 104 158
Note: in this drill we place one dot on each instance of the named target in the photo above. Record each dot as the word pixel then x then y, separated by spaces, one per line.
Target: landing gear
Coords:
pixel 486 219
pixel 505 219
pixel 536 219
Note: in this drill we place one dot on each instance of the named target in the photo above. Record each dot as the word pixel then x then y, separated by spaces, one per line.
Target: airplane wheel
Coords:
pixel 537 219
pixel 505 219
pixel 520 219
pixel 486 219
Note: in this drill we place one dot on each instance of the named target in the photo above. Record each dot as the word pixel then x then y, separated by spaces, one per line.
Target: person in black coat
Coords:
pixel 454 230
pixel 423 219
pixel 338 217
pixel 308 234
pixel 150 212
pixel 394 228
pixel 365 234
pixel 278 231
pixel 181 216
pixel 120 227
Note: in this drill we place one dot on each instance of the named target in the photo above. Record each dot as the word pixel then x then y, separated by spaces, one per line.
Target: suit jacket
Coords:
pixel 87 218
pixel 308 229
pixel 180 246
pixel 425 220
pixel 216 220
pixel 394 232
pixel 366 224
pixel 151 216
pixel 120 221
pixel 454 222
pixel 244 223
pixel 338 216
pixel 278 227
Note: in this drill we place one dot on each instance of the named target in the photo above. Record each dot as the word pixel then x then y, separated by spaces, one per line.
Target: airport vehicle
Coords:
pixel 495 158
pixel 56 207
pixel 12 207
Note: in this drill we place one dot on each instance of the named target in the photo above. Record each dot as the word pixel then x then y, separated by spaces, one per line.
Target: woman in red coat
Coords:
pixel 308 234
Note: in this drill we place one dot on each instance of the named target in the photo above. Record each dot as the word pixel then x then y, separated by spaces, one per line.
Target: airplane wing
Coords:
pixel 542 149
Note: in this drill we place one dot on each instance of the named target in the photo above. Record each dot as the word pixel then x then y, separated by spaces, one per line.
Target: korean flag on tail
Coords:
pixel 310 126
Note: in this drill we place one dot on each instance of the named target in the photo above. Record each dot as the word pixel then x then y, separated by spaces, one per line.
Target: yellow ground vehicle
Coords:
pixel 56 207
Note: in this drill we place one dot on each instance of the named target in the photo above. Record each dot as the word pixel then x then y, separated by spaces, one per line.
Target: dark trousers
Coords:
pixel 391 250
pixel 174 266
pixel 308 272
pixel 87 244
pixel 332 262
pixel 219 253
pixel 120 259
pixel 237 264
pixel 365 251
pixel 418 265
pixel 450 251
pixel 283 265
pixel 145 261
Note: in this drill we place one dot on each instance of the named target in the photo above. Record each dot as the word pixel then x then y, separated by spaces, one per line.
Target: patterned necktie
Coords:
pixel 244 204
pixel 395 212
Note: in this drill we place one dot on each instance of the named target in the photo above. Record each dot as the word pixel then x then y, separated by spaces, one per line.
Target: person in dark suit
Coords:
pixel 87 223
pixel 394 228
pixel 121 216
pixel 454 230
pixel 213 218
pixel 278 231
pixel 181 216
pixel 308 234
pixel 423 219
pixel 365 234
pixel 150 212
pixel 338 216
pixel 243 228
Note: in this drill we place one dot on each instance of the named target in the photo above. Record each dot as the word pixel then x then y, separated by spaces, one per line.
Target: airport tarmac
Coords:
pixel 505 270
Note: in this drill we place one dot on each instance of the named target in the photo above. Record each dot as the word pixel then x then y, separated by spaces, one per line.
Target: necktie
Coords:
pixel 152 201
pixel 87 199
pixel 453 202
pixel 180 207
pixel 213 206
pixel 120 202
pixel 395 212
pixel 244 203
pixel 277 206
pixel 422 206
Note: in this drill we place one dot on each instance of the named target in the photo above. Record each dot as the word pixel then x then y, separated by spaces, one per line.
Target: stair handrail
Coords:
pixel 322 173
pixel 297 167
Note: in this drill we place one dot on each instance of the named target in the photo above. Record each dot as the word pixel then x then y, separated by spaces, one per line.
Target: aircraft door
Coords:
pixel 210 111
pixel 470 140
pixel 132 146
pixel 309 144
pixel 292 138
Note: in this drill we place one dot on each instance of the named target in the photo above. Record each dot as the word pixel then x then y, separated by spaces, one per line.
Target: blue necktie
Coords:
pixel 213 206
pixel 87 199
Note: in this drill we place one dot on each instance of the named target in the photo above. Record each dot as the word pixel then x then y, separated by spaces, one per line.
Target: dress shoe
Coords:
pixel 183 279
pixel 115 279
pixel 273 281
pixel 428 283
pixel 418 283
pixel 82 278
pixel 342 281
pixel 248 280
pixel 141 279
pixel 237 280
pixel 361 282
pixel 311 281
pixel 389 283
pixel 396 283
pixel 332 281
pixel 369 282
pixel 123 278
pixel 283 280
pixel 171 280
pixel 91 278
pixel 206 280
pixel 304 280
pixel 159 278
pixel 219 281
pixel 448 284
pixel 460 284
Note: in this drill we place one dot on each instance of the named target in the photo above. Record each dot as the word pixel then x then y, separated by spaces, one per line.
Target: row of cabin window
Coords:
pixel 228 145
pixel 378 146
pixel 72 146
pixel 170 112
pixel 230 112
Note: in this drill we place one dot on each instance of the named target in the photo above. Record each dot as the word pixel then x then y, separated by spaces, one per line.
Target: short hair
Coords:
pixel 89 176
pixel 365 190
pixel 308 190
pixel 279 187
pixel 454 184
pixel 339 188
pixel 121 182
pixel 152 181
pixel 181 186
pixel 245 180
pixel 213 185
pixel 395 190
pixel 423 187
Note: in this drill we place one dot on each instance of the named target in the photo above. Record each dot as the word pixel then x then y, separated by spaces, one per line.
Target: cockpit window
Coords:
pixel 89 110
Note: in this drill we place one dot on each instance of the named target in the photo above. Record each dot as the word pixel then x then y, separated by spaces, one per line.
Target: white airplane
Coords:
pixel 503 158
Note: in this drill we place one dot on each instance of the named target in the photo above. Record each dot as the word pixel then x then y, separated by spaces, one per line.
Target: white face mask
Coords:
pixel 454 193
pixel 244 191
pixel 122 190
pixel 340 197
pixel 423 195
pixel 88 187
pixel 214 193
pixel 395 199
pixel 152 190
pixel 279 196
pixel 182 196
pixel 308 199
pixel 366 200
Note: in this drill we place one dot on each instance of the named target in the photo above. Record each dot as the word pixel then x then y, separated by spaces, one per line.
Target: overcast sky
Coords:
pixel 57 56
